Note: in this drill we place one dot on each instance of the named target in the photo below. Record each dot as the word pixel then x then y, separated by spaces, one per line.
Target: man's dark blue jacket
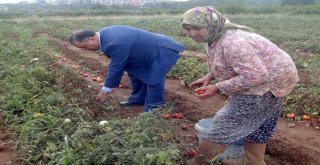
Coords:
pixel 146 56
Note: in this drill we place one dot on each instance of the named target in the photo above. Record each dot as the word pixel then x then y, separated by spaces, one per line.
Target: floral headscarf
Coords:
pixel 209 17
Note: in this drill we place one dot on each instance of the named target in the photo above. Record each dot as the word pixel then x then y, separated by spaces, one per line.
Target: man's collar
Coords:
pixel 99 41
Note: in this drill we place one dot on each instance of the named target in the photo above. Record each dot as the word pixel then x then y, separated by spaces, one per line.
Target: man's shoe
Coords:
pixel 126 103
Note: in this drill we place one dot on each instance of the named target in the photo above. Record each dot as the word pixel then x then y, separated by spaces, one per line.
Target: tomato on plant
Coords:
pixel 94 79
pixel 66 121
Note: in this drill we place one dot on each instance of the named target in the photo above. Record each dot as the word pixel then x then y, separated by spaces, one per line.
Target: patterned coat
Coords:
pixel 249 63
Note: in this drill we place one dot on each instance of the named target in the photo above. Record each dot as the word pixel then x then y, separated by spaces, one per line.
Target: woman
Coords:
pixel 253 71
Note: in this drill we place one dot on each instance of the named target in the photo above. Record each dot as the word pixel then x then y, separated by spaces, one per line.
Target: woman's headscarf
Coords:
pixel 209 17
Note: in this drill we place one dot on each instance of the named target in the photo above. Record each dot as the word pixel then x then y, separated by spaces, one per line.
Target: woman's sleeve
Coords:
pixel 249 68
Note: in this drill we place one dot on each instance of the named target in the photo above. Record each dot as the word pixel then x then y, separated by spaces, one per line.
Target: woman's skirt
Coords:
pixel 252 118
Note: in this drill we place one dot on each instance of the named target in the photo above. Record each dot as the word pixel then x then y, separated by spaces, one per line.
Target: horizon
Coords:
pixel 31 1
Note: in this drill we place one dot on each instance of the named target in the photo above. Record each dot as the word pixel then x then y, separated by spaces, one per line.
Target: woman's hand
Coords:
pixel 207 91
pixel 204 81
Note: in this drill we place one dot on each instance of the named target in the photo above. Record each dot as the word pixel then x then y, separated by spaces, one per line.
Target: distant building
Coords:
pixel 135 2
pixel 102 2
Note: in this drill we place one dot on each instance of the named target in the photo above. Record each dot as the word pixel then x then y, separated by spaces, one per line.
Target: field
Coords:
pixel 41 86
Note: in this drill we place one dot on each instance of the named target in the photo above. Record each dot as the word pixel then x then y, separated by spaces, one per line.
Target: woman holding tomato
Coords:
pixel 251 70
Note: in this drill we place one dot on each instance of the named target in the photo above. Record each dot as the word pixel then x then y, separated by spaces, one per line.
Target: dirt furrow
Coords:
pixel 6 148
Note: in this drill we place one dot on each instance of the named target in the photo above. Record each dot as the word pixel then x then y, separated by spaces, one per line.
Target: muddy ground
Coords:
pixel 299 145
pixel 7 156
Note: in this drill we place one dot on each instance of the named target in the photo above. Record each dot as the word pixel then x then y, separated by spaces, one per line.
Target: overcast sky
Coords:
pixel 11 1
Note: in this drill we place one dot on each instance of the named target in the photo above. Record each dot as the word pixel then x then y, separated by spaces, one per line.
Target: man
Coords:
pixel 146 57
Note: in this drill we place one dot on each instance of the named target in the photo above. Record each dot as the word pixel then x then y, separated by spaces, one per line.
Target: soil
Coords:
pixel 298 145
pixel 6 148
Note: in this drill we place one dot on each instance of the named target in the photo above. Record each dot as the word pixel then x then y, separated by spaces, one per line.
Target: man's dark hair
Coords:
pixel 81 35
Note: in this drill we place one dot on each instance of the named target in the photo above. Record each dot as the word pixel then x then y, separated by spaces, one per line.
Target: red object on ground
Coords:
pixel 192 153
pixel 177 116
pixel 306 117
pixel 166 116
pixel 291 115
pixel 85 75
pixel 185 127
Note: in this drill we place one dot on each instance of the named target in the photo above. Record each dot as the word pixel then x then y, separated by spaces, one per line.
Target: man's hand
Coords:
pixel 102 97
pixel 209 91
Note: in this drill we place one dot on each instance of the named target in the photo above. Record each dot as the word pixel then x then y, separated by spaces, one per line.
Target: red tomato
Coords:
pixel 94 79
pixel 306 117
pixel 192 153
pixel 120 86
pixel 166 116
pixel 200 92
pixel 85 75
pixel 177 116
pixel 185 127
pixel 291 115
